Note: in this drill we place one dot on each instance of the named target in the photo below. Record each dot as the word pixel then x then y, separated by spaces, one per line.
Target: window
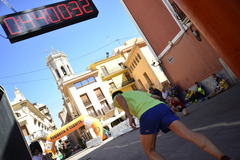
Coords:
pixel 18 114
pixel 139 56
pixel 147 79
pixel 63 70
pixel 121 65
pixel 130 70
pixel 57 73
pixel 129 78
pixel 105 106
pixel 91 111
pixel 141 85
pixel 84 82
pixel 134 87
pixel 133 65
pixel 86 101
pixel 104 70
pixel 99 93
pixel 135 62
pixel 91 79
pixel 69 69
pixel 35 122
pixel 137 59
pixel 25 131
pixel 180 14
pixel 113 86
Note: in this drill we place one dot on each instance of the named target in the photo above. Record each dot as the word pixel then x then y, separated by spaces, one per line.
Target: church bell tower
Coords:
pixel 60 67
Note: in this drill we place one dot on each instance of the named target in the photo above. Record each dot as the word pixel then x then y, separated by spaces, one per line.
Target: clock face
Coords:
pixel 30 23
pixel 25 110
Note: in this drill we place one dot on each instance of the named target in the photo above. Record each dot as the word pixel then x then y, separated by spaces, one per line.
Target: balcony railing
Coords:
pixel 100 96
pixel 120 85
pixel 114 70
pixel 38 135
pixel 180 14
pixel 106 109
pixel 45 111
pixel 49 116
pixel 87 103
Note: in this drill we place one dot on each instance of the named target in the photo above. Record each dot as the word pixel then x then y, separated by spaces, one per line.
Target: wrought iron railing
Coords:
pixel 87 103
pixel 120 85
pixel 106 109
pixel 111 71
pixel 180 14
pixel 37 135
pixel 100 96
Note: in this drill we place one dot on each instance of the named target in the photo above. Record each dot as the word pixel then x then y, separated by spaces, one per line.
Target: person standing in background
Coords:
pixel 175 91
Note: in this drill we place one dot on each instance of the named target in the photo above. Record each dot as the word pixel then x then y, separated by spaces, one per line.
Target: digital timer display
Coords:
pixel 26 24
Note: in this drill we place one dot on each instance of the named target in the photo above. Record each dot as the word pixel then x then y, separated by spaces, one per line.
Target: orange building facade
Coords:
pixel 186 55
pixel 220 25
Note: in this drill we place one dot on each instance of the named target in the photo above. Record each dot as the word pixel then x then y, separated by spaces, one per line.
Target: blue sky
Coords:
pixel 23 64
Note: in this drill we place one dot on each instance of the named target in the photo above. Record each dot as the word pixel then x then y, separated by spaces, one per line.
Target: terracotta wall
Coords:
pixel 193 60
pixel 153 18
pixel 219 21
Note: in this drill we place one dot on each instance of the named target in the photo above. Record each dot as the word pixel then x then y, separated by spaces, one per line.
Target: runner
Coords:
pixel 154 115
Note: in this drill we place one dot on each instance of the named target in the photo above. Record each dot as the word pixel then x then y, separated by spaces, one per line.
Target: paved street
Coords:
pixel 217 118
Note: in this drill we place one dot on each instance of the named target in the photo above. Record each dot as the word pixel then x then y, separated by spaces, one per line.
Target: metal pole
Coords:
pixel 8 5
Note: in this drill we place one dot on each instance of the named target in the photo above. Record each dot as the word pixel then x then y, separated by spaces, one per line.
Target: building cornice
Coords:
pixel 93 65
pixel 79 77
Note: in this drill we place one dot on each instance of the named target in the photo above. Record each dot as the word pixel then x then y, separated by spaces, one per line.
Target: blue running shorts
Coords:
pixel 157 118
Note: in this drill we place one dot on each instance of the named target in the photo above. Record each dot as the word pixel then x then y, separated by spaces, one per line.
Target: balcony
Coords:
pixel 87 103
pixel 180 15
pixel 38 135
pixel 106 109
pixel 49 116
pixel 100 97
pixel 113 72
pixel 121 85
pixel 45 111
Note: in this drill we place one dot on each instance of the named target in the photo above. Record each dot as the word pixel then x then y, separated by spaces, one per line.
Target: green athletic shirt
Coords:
pixel 138 102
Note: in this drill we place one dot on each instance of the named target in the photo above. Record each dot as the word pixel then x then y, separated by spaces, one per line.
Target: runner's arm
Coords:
pixel 122 102
pixel 155 96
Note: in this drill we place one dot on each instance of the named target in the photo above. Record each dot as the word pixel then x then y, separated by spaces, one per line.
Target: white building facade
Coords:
pixel 34 119
pixel 83 94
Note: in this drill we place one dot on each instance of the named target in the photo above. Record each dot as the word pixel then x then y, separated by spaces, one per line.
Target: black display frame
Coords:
pixel 51 26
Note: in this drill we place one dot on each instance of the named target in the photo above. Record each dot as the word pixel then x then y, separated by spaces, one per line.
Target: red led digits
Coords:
pixel 76 8
pixel 64 10
pixel 87 5
pixel 29 23
pixel 38 16
pixel 52 14
pixel 12 25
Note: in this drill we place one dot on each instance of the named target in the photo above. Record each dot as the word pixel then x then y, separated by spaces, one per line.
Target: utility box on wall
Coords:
pixel 13 145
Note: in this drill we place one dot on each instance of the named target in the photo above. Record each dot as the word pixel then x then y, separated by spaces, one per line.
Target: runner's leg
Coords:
pixel 200 140
pixel 149 146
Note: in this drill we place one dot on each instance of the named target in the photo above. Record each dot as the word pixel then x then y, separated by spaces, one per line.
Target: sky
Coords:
pixel 23 64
